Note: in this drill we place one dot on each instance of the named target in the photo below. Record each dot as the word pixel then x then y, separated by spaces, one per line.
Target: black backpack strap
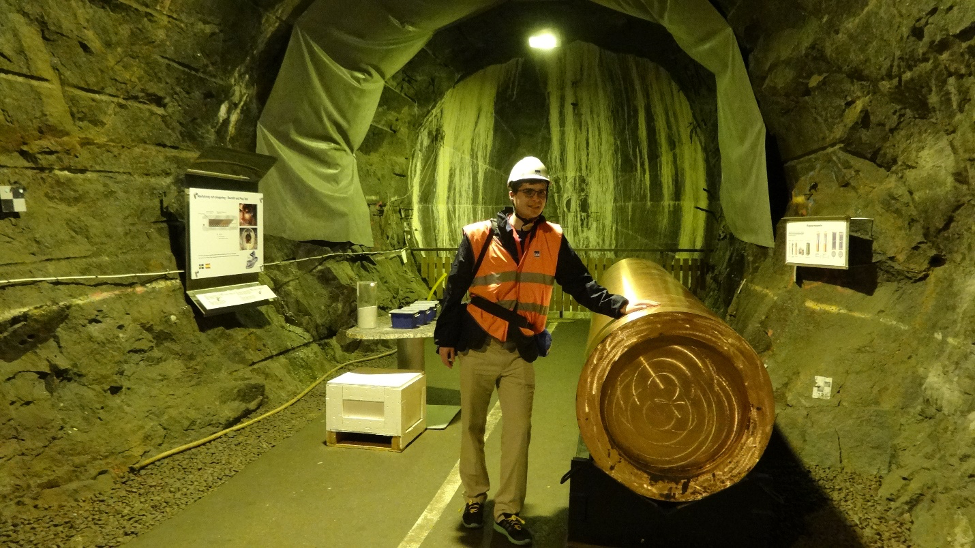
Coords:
pixel 488 242
pixel 502 313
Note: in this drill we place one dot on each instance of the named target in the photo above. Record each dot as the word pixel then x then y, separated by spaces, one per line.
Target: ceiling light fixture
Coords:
pixel 544 40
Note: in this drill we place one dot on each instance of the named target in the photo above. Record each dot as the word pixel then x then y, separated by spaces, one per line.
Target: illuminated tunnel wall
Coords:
pixel 628 157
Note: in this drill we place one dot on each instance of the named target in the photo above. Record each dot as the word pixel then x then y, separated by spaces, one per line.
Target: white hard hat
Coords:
pixel 529 168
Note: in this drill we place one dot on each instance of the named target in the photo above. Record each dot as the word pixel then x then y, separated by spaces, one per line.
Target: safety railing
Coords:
pixel 688 266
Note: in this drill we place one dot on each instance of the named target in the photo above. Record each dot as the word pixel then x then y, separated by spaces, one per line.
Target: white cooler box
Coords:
pixel 376 408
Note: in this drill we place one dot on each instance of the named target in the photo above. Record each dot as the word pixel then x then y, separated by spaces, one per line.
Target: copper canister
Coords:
pixel 672 402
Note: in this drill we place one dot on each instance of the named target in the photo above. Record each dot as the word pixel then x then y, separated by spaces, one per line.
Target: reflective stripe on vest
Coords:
pixel 527 286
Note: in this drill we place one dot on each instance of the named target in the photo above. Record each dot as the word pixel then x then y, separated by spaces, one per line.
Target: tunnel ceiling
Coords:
pixel 499 34
pixel 353 56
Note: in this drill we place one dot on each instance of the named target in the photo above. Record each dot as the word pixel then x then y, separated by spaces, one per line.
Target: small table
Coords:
pixel 410 341
pixel 410 356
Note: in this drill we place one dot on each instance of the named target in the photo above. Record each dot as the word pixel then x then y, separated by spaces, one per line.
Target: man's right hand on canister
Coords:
pixel 447 356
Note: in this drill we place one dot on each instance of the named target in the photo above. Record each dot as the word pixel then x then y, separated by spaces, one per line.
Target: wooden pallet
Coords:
pixel 395 443
pixel 366 441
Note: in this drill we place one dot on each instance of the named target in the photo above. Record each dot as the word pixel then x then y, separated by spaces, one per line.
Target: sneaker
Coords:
pixel 472 517
pixel 514 529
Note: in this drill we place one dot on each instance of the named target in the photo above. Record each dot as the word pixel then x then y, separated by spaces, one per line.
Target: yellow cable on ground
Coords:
pixel 436 283
pixel 209 438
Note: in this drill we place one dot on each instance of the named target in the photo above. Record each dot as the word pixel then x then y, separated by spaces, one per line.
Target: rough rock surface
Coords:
pixel 871 105
pixel 104 105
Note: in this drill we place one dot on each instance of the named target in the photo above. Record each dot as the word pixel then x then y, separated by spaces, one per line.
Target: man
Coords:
pixel 511 262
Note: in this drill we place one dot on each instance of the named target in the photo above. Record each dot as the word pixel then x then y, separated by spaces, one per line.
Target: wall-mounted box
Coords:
pixel 389 403
pixel 832 242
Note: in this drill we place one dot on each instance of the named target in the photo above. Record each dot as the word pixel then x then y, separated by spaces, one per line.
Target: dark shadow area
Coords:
pixel 362 439
pixel 859 250
pixel 778 190
pixel 471 538
pixel 269 63
pixel 174 214
pixel 243 318
pixel 604 512
pixel 548 531
pixel 271 56
pixel 252 317
pixel 25 332
pixel 861 276
pixel 178 233
pixel 498 34
pixel 804 516
pixel 777 504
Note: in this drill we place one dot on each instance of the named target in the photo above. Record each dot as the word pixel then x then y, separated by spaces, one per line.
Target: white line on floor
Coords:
pixel 436 507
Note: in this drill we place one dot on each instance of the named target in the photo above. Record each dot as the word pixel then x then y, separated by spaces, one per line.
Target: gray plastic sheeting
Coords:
pixel 333 74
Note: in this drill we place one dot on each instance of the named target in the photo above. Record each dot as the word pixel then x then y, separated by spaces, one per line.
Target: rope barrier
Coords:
pixel 178 271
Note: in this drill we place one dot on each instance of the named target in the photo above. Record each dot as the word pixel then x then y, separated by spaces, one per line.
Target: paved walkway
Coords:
pixel 302 493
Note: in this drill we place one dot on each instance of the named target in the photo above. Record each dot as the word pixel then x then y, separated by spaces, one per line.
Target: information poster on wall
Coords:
pixel 226 236
pixel 818 243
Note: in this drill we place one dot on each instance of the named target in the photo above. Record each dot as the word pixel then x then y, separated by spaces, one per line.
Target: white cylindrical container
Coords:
pixel 366 317
pixel 366 304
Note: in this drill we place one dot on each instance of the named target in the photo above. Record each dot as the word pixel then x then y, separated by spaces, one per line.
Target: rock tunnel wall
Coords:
pixel 871 105
pixel 102 107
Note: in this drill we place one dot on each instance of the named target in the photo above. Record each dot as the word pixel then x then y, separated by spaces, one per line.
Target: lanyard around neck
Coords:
pixel 521 249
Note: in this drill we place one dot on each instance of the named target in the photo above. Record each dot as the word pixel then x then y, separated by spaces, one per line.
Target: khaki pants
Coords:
pixel 482 371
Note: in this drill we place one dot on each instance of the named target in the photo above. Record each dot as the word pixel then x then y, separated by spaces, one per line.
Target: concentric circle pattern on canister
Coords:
pixel 672 402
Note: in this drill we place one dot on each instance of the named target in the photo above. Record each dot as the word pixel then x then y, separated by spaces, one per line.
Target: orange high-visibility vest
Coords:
pixel 527 285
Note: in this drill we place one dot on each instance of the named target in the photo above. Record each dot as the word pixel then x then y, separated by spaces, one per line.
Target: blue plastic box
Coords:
pixel 420 314
pixel 404 318
pixel 429 307
pixel 422 310
pixel 427 314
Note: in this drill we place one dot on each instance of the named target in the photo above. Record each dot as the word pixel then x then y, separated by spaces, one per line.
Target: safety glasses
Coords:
pixel 534 193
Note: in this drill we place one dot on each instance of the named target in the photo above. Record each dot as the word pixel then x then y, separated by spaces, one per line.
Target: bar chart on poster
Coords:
pixel 818 242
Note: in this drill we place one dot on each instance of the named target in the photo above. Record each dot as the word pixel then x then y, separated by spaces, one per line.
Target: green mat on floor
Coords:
pixel 439 416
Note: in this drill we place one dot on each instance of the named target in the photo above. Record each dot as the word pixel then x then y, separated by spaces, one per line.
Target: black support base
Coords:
pixel 605 513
